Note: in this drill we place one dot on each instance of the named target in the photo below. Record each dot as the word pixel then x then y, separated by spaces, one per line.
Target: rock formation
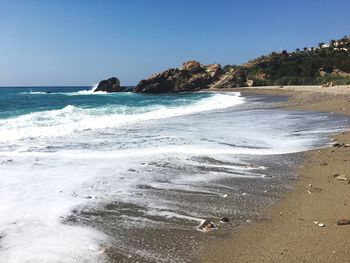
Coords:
pixel 110 85
pixel 192 76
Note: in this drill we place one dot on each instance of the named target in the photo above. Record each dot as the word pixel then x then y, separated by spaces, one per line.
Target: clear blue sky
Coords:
pixel 71 42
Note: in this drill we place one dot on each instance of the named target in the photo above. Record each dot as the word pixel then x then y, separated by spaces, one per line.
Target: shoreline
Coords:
pixel 290 233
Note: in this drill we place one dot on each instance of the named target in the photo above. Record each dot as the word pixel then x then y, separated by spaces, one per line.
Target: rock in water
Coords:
pixel 110 85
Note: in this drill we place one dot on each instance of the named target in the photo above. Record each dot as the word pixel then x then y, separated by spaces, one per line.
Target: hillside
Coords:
pixel 326 64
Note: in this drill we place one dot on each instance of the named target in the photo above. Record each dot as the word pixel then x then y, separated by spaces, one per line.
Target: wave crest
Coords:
pixel 72 119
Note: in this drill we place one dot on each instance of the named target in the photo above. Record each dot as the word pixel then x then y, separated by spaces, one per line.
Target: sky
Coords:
pixel 80 42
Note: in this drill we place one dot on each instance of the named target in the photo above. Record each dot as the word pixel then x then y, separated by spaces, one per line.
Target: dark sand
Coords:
pixel 290 233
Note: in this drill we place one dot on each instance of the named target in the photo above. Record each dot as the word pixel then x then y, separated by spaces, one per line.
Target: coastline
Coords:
pixel 290 234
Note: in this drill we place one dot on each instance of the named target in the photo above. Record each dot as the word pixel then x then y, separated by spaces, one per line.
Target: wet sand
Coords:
pixel 290 234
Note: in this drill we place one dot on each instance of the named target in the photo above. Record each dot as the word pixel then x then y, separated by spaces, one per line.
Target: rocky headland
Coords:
pixel 325 65
pixel 191 76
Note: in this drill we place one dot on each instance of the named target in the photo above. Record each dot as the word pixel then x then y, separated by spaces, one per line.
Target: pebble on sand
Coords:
pixel 224 220
pixel 340 177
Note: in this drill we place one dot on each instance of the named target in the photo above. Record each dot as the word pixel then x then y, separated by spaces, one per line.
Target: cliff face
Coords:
pixel 191 76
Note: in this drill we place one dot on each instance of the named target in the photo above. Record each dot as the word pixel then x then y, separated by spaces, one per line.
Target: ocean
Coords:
pixel 125 177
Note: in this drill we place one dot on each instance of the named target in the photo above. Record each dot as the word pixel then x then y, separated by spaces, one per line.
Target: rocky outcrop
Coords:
pixel 233 78
pixel 110 85
pixel 192 76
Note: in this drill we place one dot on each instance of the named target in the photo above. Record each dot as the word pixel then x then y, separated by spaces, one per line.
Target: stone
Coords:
pixel 192 66
pixel 110 85
pixel 343 222
pixel 214 70
pixel 250 83
pixel 340 177
pixel 207 225
pixel 224 220
pixel 337 144
pixel 321 225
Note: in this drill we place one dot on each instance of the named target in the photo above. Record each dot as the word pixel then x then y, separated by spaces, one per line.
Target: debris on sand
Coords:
pixel 224 220
pixel 343 222
pixel 206 226
pixel 340 177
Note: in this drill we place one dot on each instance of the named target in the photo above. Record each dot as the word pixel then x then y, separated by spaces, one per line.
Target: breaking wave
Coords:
pixel 72 119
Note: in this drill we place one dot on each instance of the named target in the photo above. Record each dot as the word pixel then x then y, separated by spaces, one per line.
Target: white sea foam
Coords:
pixel 80 92
pixel 37 92
pixel 88 92
pixel 72 119
pixel 32 203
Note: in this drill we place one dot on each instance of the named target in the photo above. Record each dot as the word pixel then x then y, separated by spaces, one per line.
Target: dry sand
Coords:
pixel 290 234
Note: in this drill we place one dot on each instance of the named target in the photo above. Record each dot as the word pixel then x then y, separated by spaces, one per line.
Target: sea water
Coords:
pixel 82 173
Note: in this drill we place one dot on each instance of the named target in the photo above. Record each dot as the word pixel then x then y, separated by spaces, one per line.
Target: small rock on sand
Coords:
pixel 224 220
pixel 207 225
pixel 340 177
pixel 321 225
pixel 343 222
pixel 337 144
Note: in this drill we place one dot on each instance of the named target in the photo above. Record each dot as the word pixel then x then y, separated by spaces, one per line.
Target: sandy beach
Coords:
pixel 302 226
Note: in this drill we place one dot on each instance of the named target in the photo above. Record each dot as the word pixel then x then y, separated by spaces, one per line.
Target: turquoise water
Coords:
pixel 17 101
